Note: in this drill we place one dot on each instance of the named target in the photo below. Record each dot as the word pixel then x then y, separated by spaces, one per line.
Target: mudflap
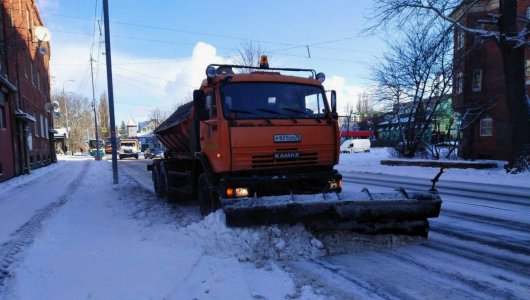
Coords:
pixel 368 213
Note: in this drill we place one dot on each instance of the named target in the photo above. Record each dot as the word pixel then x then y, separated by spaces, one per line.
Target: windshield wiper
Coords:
pixel 240 111
pixel 293 110
pixel 300 112
pixel 276 113
pixel 269 111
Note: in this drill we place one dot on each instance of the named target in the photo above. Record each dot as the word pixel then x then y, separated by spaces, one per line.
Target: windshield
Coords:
pixel 273 101
pixel 92 144
pixel 127 144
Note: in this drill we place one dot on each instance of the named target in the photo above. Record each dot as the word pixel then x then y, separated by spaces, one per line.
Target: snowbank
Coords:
pixel 370 162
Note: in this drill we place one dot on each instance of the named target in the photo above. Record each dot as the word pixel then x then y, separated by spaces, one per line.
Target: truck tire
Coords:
pixel 159 182
pixel 208 200
pixel 136 156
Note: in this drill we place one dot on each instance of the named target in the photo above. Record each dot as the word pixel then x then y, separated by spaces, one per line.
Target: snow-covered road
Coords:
pixel 71 234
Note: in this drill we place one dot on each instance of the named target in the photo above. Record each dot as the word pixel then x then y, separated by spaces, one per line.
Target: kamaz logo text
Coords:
pixel 287 138
pixel 286 155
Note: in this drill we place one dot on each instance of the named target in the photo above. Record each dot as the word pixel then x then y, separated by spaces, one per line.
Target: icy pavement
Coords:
pixel 68 233
pixel 71 234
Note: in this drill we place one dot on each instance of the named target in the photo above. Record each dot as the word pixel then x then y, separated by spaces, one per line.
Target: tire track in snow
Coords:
pixel 476 286
pixel 488 239
pixel 351 286
pixel 11 251
pixel 504 262
pixel 503 223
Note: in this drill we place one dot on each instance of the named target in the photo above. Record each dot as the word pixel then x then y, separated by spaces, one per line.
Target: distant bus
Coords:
pixel 92 145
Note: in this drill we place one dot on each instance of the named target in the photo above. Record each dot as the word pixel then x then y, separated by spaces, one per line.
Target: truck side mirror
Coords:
pixel 199 105
pixel 334 102
pixel 198 95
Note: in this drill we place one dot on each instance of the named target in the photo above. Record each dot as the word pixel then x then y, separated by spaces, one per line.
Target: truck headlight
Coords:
pixel 236 193
pixel 335 184
pixel 241 192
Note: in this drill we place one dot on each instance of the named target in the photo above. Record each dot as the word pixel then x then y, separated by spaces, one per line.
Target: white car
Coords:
pixel 355 145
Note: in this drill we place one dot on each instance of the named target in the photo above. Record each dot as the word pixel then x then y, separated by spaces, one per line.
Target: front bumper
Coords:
pixel 294 183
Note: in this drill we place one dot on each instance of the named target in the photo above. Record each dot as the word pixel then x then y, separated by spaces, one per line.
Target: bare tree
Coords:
pixel 103 116
pixel 249 54
pixel 157 116
pixel 76 116
pixel 414 78
pixel 510 33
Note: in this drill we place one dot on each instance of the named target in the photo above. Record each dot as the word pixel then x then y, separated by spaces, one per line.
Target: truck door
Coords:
pixel 209 131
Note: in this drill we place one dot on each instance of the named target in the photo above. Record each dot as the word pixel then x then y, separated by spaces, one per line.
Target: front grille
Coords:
pixel 269 161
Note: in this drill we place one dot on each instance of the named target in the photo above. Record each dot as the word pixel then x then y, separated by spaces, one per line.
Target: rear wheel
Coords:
pixel 208 200
pixel 159 182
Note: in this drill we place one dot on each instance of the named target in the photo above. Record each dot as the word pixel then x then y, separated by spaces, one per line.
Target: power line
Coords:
pixel 238 38
pixel 226 48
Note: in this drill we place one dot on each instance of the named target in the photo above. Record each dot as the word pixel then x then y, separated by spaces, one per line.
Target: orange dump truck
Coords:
pixel 262 145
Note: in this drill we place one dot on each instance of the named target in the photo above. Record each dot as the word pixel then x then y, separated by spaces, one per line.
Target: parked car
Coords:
pixel 448 144
pixel 108 148
pixel 153 153
pixel 355 145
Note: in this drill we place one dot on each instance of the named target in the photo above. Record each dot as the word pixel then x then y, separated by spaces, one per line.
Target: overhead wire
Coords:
pixel 288 45
pixel 231 49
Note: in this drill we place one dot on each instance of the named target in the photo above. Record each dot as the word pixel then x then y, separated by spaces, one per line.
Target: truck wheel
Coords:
pixel 159 182
pixel 136 156
pixel 208 200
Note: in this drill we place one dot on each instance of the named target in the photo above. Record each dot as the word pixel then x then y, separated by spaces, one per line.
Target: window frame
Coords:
pixel 459 86
pixel 3 121
pixel 35 125
pixel 486 126
pixel 460 41
pixel 476 85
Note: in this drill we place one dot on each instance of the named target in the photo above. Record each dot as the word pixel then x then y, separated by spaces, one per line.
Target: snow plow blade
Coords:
pixel 399 212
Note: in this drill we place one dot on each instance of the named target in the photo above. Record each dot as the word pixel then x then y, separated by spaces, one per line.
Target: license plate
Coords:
pixel 286 155
pixel 287 138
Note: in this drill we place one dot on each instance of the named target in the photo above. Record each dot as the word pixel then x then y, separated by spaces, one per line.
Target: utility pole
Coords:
pixel 111 92
pixel 66 115
pixel 98 157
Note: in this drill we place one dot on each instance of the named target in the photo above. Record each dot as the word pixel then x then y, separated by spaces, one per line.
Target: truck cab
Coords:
pixel 129 148
pixel 257 133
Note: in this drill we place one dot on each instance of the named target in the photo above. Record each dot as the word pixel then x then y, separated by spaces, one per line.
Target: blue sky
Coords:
pixel 161 48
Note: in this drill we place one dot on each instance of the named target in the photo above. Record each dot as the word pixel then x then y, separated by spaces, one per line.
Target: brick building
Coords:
pixel 479 89
pixel 26 128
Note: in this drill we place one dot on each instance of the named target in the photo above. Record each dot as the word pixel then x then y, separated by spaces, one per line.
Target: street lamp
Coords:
pixel 66 115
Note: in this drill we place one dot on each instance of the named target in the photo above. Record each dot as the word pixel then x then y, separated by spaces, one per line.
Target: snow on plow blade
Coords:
pixel 399 213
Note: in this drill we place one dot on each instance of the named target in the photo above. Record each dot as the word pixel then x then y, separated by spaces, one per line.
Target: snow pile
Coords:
pixel 181 224
pixel 370 162
pixel 253 244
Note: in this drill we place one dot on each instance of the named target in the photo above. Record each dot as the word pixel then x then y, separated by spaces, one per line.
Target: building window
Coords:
pixel 41 126
pixel 459 84
pixel 460 39
pixel 486 126
pixel 35 124
pixel 38 82
pixel 2 111
pixel 31 72
pixel 477 80
pixel 46 127
pixel 25 64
